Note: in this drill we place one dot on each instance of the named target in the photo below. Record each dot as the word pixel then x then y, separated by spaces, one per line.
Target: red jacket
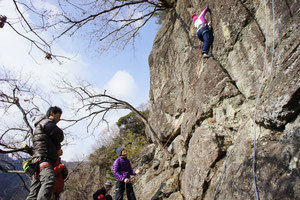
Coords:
pixel 59 177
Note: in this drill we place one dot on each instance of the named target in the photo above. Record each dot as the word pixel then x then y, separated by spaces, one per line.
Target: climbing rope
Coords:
pixel 254 118
pixel 274 37
pixel 179 120
pixel 224 169
pixel 126 191
pixel 260 89
pixel 257 100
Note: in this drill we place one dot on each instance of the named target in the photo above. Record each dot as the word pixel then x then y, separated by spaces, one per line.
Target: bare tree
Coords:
pixel 107 136
pixel 95 107
pixel 18 111
pixel 20 105
pixel 114 23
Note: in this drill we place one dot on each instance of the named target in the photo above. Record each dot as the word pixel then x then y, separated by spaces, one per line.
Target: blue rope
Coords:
pixel 260 88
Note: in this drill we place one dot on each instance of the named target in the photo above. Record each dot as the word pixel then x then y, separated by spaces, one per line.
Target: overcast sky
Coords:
pixel 125 74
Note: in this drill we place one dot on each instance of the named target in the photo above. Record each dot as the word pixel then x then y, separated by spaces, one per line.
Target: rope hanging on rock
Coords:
pixel 260 90
pixel 178 122
pixel 224 169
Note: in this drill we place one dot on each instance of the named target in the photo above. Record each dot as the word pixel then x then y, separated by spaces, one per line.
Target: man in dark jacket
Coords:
pixel 47 139
pixel 101 194
pixel 122 171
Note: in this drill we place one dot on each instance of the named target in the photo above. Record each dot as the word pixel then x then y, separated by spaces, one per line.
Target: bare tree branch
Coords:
pixel 3 169
pixel 48 54
pixel 97 105
pixel 25 149
pixel 113 21
pixel 22 16
pixel 19 96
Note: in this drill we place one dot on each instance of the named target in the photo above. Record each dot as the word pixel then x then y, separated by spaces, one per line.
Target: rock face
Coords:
pixel 207 106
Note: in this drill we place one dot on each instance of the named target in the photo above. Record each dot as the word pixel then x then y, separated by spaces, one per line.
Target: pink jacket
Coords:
pixel 200 20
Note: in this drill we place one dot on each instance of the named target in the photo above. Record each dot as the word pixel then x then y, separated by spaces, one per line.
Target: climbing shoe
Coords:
pixel 205 55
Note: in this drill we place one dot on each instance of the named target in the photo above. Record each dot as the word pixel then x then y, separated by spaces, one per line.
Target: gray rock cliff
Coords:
pixel 207 106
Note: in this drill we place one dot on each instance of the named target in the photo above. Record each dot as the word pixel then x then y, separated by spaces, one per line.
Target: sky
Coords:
pixel 124 74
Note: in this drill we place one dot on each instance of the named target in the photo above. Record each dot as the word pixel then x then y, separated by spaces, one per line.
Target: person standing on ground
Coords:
pixel 122 171
pixel 47 139
pixel 61 173
pixel 203 32
pixel 101 194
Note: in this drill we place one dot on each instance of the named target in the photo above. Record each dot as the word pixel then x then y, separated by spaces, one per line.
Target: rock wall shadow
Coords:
pixel 158 192
pixel 186 29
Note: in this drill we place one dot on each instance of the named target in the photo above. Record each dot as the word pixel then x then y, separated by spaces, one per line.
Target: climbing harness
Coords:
pixel 202 26
pixel 44 164
pixel 260 90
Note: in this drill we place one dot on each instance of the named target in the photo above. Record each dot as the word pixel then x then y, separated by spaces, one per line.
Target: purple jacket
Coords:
pixel 122 169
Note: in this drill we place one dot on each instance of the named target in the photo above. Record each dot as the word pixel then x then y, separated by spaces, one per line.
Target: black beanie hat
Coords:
pixel 119 150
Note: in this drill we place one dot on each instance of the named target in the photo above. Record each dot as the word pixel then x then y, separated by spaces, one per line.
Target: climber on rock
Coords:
pixel 203 32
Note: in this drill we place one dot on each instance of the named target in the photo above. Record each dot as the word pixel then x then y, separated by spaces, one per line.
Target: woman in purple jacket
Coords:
pixel 203 32
pixel 122 171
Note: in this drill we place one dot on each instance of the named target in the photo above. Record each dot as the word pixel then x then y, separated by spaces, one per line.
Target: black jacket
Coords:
pixel 46 140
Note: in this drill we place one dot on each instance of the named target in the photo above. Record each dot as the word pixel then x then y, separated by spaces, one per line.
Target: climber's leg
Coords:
pixel 199 35
pixel 207 41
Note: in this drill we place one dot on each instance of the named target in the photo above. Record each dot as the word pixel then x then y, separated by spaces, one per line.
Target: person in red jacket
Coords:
pixel 61 173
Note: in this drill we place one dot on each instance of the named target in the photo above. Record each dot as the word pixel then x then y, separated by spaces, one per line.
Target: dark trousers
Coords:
pixel 41 186
pixel 55 196
pixel 120 188
pixel 204 35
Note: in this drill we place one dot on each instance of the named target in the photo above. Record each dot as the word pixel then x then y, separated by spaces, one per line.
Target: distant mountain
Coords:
pixel 70 165
pixel 11 186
